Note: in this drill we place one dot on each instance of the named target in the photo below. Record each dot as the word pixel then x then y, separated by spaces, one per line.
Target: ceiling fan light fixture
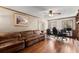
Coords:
pixel 50 13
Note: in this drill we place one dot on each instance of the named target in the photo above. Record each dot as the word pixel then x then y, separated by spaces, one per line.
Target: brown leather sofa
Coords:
pixel 14 42
pixel 31 37
pixel 11 42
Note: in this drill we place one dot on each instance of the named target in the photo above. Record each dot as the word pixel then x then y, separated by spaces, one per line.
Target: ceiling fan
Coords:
pixel 51 13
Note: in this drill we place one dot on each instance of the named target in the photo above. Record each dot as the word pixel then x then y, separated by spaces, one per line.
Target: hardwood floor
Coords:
pixel 54 45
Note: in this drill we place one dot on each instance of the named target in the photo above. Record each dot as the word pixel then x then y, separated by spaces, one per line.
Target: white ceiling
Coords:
pixel 41 11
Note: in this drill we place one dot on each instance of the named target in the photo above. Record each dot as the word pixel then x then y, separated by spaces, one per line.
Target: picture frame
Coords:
pixel 20 20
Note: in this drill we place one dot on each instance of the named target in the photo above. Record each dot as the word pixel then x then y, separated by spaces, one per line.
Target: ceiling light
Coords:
pixel 50 13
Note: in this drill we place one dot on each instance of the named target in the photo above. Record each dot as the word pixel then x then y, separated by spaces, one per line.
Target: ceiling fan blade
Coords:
pixel 56 13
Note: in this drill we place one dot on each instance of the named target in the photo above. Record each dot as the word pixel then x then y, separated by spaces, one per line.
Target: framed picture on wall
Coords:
pixel 20 20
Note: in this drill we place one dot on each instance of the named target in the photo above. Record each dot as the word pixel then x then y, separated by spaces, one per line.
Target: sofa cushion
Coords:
pixel 7 40
pixel 12 42
pixel 25 33
pixel 4 36
pixel 32 38
pixel 12 46
pixel 7 37
pixel 37 32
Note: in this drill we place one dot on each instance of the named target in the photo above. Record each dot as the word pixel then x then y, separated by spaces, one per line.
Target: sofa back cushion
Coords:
pixel 26 33
pixel 3 34
pixel 37 32
pixel 30 34
pixel 9 36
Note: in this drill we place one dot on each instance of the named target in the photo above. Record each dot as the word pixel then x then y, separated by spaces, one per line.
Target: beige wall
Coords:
pixel 7 22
